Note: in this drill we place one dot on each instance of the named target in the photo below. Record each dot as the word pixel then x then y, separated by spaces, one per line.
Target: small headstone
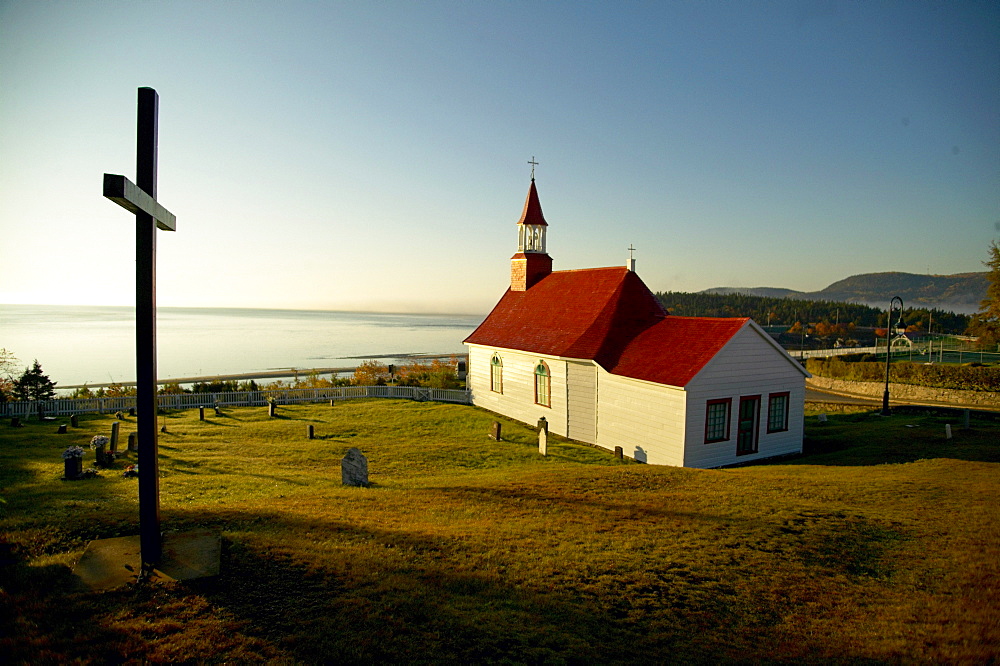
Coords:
pixel 74 421
pixel 218 410
pixel 495 431
pixel 543 441
pixel 822 418
pixel 101 458
pixel 201 413
pixel 113 446
pixel 131 442
pixel 271 407
pixel 120 416
pixel 62 429
pixel 310 432
pixel 73 468
pixel 354 468
pixel 965 419
pixel 947 431
pixel 619 453
pixel 15 422
pixel 332 402
pixel 131 411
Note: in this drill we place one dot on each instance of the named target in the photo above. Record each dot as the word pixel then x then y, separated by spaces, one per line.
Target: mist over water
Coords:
pixel 96 344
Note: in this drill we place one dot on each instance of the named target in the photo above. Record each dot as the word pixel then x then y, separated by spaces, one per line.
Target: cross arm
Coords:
pixel 134 199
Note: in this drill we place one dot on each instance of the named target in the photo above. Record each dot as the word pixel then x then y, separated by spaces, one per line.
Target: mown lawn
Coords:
pixel 881 544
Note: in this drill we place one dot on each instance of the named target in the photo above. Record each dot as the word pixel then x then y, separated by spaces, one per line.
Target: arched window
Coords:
pixel 496 374
pixel 543 393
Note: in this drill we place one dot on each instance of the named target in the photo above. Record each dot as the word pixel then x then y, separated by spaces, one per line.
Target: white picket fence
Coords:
pixel 67 406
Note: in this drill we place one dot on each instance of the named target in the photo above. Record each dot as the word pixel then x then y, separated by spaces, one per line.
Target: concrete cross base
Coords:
pixel 111 563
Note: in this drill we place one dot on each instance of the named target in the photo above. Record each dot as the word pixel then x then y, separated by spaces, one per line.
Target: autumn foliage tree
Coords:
pixel 985 324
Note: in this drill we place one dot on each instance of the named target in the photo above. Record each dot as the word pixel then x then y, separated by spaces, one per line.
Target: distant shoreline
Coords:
pixel 269 374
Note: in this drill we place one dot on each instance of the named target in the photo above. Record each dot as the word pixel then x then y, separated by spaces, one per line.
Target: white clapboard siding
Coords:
pixel 645 419
pixel 749 365
pixel 581 401
pixel 518 398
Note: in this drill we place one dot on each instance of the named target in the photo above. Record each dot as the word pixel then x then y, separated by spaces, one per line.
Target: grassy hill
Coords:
pixel 960 293
pixel 882 544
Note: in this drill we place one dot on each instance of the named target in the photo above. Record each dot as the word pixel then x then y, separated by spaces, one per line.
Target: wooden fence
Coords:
pixel 68 406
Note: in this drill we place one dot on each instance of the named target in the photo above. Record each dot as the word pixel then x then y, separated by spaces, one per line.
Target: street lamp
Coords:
pixel 888 348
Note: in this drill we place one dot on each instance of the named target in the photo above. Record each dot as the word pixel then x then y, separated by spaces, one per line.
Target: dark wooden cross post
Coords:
pixel 140 198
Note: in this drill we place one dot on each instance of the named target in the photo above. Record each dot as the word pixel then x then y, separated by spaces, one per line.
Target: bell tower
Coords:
pixel 531 263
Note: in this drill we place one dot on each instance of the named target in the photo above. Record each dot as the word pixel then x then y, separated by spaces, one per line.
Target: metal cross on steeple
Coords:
pixel 631 258
pixel 533 163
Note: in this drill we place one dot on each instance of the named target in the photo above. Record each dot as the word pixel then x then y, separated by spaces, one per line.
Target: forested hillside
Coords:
pixel 961 292
pixel 787 311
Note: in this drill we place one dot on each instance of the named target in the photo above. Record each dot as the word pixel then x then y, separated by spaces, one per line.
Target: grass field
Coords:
pixel 880 544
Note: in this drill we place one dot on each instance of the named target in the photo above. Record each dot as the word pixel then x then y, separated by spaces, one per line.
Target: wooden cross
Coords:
pixel 630 251
pixel 140 198
pixel 533 164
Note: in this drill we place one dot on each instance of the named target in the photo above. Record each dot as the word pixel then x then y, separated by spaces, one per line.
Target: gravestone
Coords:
pixel 619 453
pixel 965 419
pixel 74 421
pixel 62 429
pixel 132 446
pixel 947 431
pixel 495 431
pixel 113 447
pixel 354 469
pixel 218 411
pixel 310 432
pixel 15 422
pixel 543 436
pixel 271 407
pixel 201 413
pixel 821 418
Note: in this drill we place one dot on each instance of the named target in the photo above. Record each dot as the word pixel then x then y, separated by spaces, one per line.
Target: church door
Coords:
pixel 749 424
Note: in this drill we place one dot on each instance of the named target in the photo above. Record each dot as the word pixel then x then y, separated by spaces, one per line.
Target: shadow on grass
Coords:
pixel 909 434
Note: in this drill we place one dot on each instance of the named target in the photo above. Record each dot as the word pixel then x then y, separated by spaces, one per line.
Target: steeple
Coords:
pixel 531 263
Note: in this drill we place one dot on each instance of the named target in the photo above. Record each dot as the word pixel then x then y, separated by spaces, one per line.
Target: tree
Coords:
pixel 7 364
pixel 985 324
pixel 34 385
pixel 371 373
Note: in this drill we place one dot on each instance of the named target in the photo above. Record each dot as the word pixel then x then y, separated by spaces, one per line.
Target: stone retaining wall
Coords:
pixel 906 392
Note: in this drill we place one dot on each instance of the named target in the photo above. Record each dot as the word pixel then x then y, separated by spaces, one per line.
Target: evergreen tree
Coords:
pixel 34 385
pixel 986 323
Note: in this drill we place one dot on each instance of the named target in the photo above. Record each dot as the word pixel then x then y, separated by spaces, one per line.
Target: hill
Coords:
pixel 468 550
pixel 960 293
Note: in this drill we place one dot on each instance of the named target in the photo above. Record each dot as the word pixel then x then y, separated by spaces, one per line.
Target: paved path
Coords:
pixel 814 395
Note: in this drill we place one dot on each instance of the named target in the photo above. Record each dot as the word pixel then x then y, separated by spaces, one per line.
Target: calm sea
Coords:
pixel 96 345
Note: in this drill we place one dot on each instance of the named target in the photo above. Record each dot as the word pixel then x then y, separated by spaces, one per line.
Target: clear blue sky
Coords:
pixel 373 155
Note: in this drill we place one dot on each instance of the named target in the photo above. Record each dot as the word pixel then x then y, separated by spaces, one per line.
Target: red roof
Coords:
pixel 532 213
pixel 674 350
pixel 607 315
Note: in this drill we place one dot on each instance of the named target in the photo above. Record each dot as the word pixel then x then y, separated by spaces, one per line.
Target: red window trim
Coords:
pixel 729 418
pixel 788 400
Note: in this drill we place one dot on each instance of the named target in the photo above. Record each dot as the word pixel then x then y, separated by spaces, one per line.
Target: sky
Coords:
pixel 374 156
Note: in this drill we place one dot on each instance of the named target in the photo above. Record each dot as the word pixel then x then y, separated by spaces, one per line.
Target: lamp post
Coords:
pixel 888 349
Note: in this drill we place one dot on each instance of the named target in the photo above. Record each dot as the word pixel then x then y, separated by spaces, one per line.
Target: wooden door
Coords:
pixel 749 424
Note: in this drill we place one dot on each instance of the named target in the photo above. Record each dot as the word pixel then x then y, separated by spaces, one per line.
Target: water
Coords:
pixel 96 344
